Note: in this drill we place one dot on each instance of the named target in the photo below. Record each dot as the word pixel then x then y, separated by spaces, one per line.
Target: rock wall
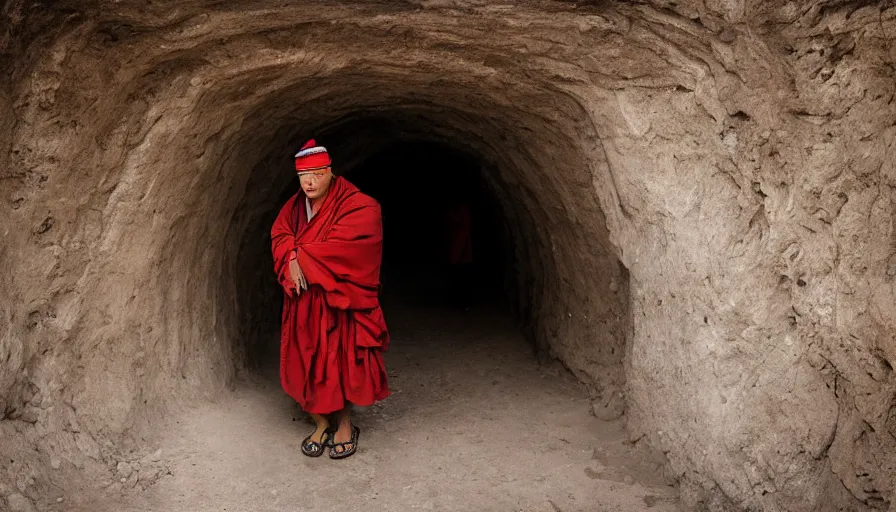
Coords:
pixel 762 286
pixel 701 198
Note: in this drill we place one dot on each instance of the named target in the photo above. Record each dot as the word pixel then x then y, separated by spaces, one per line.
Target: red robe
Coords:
pixel 333 335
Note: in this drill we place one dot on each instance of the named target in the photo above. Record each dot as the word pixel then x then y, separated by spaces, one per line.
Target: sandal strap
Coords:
pixel 314 446
pixel 356 433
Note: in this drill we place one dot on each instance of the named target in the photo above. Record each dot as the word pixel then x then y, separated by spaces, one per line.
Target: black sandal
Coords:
pixel 315 449
pixel 356 432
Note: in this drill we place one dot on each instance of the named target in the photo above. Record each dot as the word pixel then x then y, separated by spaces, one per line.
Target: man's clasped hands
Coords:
pixel 297 276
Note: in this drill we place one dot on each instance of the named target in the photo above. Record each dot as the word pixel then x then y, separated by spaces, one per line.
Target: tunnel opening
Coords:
pixel 541 247
pixel 446 239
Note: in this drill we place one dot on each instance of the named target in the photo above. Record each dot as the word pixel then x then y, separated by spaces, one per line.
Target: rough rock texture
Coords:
pixel 701 197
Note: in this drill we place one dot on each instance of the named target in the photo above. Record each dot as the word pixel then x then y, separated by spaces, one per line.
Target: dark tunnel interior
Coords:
pixel 446 244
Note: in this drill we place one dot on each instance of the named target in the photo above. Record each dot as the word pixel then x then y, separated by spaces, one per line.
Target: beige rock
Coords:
pixel 610 407
pixel 18 503
pixel 124 469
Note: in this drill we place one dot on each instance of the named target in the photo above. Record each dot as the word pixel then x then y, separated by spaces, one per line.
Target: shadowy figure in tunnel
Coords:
pixel 457 228
pixel 327 245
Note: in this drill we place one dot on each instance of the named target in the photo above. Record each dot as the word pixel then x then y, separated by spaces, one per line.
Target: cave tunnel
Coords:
pixel 418 176
pixel 682 243
pixel 418 184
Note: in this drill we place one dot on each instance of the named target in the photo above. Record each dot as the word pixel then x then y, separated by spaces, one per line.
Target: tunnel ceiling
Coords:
pixel 700 195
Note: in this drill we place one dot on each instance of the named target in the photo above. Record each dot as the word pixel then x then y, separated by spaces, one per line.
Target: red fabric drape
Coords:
pixel 333 335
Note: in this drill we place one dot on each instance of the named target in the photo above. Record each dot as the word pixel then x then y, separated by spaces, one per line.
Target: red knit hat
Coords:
pixel 312 158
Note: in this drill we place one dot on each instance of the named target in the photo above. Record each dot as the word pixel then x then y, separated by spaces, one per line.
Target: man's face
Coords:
pixel 315 184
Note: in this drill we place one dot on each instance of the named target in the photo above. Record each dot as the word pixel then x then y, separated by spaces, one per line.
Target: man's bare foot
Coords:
pixel 322 425
pixel 315 444
pixel 345 439
pixel 318 434
pixel 344 435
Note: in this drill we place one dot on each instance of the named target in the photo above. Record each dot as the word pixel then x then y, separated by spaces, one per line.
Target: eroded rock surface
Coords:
pixel 701 196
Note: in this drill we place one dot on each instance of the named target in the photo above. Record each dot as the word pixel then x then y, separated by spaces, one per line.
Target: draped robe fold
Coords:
pixel 333 334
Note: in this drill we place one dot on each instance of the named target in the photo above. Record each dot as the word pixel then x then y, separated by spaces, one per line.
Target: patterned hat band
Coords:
pixel 316 170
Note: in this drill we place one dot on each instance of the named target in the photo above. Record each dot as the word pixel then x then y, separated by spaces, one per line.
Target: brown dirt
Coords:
pixel 474 424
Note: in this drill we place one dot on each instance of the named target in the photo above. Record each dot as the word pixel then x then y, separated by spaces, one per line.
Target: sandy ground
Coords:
pixel 474 424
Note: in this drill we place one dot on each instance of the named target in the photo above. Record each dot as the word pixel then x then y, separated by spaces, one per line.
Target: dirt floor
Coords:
pixel 474 424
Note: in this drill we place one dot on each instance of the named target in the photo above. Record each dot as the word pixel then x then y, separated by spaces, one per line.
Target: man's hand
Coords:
pixel 297 276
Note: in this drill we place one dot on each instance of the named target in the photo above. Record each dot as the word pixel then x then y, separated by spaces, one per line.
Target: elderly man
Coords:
pixel 327 245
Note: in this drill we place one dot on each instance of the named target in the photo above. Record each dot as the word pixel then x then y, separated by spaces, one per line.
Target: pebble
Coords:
pixel 628 480
pixel 18 503
pixel 124 469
